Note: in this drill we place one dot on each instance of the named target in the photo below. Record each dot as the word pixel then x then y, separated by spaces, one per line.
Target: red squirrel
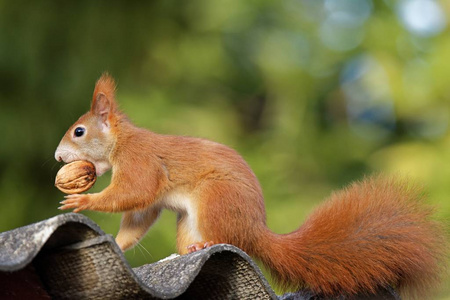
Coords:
pixel 370 235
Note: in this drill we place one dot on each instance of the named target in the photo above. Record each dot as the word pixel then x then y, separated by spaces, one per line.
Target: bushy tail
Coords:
pixel 373 234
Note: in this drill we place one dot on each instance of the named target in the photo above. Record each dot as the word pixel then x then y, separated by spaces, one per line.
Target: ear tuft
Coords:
pixel 103 102
pixel 104 88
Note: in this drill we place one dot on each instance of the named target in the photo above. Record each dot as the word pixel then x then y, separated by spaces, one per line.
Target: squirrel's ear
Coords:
pixel 103 103
pixel 101 106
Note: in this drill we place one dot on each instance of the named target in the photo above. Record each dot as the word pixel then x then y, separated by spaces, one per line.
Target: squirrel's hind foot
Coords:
pixel 199 246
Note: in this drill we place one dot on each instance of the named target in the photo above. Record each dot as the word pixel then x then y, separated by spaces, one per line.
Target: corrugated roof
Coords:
pixel 70 257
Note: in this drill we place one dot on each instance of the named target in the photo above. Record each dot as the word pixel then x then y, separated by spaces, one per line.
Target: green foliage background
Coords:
pixel 311 106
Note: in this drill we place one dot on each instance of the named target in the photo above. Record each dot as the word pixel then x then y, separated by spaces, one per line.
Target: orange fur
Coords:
pixel 373 234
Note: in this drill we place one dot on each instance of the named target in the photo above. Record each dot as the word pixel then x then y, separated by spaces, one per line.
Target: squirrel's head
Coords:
pixel 92 137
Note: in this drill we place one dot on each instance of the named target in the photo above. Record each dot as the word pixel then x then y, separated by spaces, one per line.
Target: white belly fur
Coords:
pixel 183 204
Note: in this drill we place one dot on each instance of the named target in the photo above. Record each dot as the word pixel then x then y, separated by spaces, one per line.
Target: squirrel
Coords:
pixel 372 234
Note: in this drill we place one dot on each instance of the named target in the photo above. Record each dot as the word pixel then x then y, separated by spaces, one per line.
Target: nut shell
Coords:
pixel 76 177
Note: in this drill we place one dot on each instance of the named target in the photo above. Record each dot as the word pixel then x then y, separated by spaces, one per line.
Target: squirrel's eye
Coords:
pixel 79 131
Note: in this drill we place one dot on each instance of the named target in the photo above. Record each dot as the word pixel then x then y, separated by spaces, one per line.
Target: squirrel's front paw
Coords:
pixel 78 202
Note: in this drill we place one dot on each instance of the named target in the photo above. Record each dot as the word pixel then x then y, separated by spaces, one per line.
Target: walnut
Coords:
pixel 76 177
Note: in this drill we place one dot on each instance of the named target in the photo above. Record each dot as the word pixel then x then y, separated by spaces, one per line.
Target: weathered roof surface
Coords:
pixel 70 257
pixel 74 258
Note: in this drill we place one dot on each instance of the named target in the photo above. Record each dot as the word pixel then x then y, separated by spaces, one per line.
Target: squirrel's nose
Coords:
pixel 58 155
